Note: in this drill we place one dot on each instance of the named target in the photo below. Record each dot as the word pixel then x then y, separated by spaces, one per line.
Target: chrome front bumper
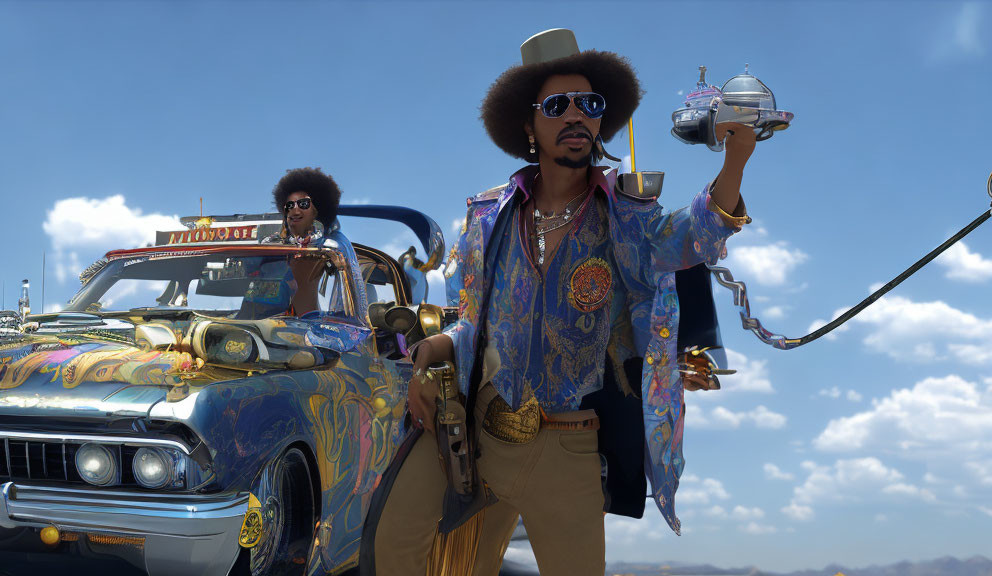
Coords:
pixel 183 533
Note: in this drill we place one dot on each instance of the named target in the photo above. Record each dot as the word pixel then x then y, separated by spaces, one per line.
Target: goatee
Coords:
pixel 567 162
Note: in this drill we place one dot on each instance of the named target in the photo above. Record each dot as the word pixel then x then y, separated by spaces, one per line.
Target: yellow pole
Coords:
pixel 201 206
pixel 630 136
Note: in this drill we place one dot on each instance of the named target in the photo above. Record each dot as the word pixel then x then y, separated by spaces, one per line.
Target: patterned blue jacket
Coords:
pixel 647 246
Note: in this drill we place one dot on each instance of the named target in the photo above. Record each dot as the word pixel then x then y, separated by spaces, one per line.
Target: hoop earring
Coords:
pixel 532 149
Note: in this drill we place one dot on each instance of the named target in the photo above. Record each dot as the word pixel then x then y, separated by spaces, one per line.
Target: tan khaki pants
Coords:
pixel 553 483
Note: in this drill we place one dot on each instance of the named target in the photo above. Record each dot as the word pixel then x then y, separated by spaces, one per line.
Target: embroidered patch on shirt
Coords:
pixel 590 285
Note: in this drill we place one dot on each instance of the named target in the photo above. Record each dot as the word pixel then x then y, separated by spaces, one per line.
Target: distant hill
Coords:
pixel 946 566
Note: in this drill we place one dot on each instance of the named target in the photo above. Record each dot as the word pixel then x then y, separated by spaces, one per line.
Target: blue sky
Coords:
pixel 870 447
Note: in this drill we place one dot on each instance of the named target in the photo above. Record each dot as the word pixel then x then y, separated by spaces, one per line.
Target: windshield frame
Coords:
pixel 331 255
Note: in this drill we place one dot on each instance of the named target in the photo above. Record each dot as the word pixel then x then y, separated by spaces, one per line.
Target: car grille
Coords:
pixel 36 460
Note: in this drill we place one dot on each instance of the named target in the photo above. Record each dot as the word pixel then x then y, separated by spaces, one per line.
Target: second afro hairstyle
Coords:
pixel 321 188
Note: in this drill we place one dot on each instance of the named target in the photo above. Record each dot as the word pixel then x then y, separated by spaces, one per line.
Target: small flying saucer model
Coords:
pixel 743 99
pixel 694 124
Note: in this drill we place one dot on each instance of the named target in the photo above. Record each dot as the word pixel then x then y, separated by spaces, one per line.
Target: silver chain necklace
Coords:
pixel 545 222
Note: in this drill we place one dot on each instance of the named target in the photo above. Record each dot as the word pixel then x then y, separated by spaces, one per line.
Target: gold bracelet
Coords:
pixel 736 222
pixel 424 374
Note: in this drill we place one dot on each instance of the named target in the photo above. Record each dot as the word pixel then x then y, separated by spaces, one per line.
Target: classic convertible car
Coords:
pixel 174 418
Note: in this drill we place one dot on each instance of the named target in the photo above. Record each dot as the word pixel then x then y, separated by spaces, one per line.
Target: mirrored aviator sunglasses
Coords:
pixel 589 103
pixel 303 203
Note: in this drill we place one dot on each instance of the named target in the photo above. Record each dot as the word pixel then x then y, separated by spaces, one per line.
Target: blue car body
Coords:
pixel 330 386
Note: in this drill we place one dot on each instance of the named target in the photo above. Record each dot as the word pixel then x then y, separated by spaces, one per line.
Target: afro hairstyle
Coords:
pixel 507 106
pixel 321 188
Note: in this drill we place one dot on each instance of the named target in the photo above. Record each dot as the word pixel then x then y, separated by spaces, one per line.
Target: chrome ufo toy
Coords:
pixel 743 99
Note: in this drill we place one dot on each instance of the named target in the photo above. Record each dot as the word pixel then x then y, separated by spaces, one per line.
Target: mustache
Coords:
pixel 574 132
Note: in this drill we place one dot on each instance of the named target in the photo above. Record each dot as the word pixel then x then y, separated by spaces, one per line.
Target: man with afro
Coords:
pixel 565 287
pixel 308 200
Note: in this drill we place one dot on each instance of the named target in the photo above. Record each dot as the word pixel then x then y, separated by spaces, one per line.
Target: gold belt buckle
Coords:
pixel 516 427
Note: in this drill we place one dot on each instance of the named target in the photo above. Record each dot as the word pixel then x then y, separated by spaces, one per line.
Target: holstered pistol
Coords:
pixel 454 444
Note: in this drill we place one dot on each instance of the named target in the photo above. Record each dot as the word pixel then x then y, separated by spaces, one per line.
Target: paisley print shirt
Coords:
pixel 609 294
pixel 550 335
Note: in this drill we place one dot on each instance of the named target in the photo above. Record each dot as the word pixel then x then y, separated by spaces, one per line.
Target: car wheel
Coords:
pixel 288 516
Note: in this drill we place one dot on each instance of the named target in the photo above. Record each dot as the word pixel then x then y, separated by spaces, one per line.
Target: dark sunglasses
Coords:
pixel 303 203
pixel 589 103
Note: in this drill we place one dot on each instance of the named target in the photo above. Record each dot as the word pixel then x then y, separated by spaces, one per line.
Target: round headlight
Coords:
pixel 153 468
pixel 96 464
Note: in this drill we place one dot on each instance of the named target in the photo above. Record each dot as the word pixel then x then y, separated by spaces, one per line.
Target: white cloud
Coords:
pixel 695 491
pixel 853 480
pixel 773 472
pixel 758 529
pixel 743 513
pixel 401 243
pixel 985 510
pixel 82 224
pixel 702 498
pixel 946 415
pixel 751 376
pixel 722 418
pixel 826 482
pixel 695 416
pixel 715 512
pixel 769 265
pixel 982 471
pixel 620 529
pixel 436 291
pixel 926 331
pixel 798 512
pixel 775 312
pixel 833 392
pixel 761 417
pixel 965 265
pixel 832 335
pixel 881 518
pixel 910 490
pixel 972 353
pixel 457 224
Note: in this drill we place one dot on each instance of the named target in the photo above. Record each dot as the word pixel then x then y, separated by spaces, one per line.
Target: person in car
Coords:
pixel 308 200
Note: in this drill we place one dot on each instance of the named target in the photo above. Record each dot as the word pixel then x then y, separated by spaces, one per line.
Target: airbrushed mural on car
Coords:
pixel 189 441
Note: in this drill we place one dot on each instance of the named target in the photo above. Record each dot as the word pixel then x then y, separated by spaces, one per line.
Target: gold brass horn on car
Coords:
pixel 431 319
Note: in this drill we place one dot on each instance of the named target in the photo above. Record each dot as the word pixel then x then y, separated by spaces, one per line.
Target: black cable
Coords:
pixel 898 279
